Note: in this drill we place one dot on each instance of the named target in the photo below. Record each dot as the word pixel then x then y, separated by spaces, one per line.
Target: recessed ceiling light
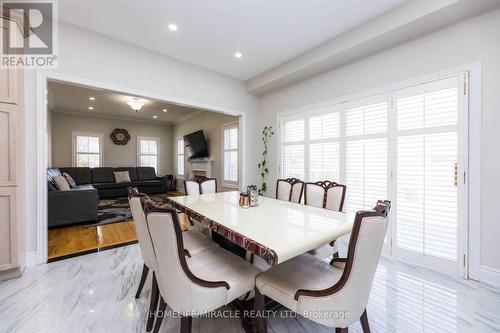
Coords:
pixel 91 108
pixel 92 98
pixel 155 117
pixel 172 27
pixel 164 110
pixel 238 55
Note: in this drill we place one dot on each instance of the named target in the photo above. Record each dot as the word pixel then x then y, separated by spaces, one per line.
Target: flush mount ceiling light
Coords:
pixel 136 103
pixel 91 108
pixel 238 55
pixel 172 27
pixel 155 117
pixel 164 110
pixel 92 98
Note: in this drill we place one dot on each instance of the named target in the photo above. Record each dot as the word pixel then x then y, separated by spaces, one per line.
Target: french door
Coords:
pixel 407 145
pixel 429 173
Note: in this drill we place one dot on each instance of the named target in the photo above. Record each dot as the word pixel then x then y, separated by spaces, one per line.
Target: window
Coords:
pixel 406 145
pixel 180 157
pixel 231 144
pixel 87 150
pixel 147 152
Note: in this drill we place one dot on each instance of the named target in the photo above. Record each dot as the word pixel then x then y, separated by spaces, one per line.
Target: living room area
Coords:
pixel 101 142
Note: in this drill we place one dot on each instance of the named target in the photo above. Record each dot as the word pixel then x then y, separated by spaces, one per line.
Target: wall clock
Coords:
pixel 120 136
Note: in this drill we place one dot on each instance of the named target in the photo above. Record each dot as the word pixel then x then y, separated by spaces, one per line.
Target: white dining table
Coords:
pixel 275 230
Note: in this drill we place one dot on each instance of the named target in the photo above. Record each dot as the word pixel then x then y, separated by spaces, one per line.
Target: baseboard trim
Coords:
pixel 490 276
pixel 10 273
pixel 30 259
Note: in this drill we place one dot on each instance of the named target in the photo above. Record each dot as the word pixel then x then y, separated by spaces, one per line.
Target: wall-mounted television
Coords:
pixel 197 144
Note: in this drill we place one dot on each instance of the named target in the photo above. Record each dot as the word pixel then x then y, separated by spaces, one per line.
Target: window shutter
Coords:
pixel 231 153
pixel 427 161
pixel 293 161
pixel 293 130
pixel 324 126
pixel 366 173
pixel 324 161
pixel 292 153
pixel 366 152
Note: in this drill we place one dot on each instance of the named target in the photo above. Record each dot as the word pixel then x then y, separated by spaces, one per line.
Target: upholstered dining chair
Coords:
pixel 193 284
pixel 289 189
pixel 200 184
pixel 194 240
pixel 334 295
pixel 329 195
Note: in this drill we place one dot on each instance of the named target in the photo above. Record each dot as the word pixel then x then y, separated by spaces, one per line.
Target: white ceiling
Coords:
pixel 75 99
pixel 267 32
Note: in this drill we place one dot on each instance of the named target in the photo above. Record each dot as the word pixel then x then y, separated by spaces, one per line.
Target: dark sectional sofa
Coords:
pixel 80 204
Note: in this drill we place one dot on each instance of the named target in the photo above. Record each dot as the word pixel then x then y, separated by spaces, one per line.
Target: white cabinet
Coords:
pixel 11 118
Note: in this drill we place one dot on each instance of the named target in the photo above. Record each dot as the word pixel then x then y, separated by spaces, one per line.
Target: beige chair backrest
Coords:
pixel 325 194
pixel 141 229
pixel 314 195
pixel 335 196
pixel 351 293
pixel 192 188
pixel 181 290
pixel 283 189
pixel 289 189
pixel 297 190
pixel 208 186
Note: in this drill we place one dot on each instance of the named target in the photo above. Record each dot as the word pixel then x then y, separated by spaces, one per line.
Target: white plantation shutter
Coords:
pixel 293 161
pixel 366 153
pixel 324 147
pixel 405 146
pixel 292 151
pixel 324 161
pixel 231 138
pixel 324 126
pixel 427 184
pixel 366 173
pixel 293 130
pixel 180 156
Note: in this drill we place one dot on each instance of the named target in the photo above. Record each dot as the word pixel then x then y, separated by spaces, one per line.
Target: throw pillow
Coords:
pixel 69 179
pixel 122 177
pixel 61 183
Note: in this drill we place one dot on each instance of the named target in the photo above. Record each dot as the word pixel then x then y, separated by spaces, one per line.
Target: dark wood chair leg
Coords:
pixel 159 315
pixel 153 304
pixel 186 324
pixel 259 322
pixel 364 322
pixel 341 330
pixel 144 276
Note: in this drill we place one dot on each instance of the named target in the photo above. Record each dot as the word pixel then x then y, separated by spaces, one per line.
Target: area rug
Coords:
pixel 118 210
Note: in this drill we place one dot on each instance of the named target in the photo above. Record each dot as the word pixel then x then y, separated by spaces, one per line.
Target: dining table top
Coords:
pixel 275 230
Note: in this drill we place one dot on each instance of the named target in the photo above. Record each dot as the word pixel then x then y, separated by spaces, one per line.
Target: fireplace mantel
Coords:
pixel 200 167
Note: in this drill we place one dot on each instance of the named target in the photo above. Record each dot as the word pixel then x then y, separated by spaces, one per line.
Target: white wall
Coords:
pixel 472 40
pixel 95 57
pixel 63 126
pixel 211 124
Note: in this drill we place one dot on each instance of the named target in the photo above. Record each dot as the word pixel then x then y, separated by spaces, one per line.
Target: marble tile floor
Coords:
pixel 95 293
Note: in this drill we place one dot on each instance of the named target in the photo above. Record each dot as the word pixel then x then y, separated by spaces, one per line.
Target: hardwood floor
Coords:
pixel 72 240
pixel 76 240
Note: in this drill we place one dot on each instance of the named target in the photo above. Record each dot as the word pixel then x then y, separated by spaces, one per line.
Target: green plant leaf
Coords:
pixel 267 171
